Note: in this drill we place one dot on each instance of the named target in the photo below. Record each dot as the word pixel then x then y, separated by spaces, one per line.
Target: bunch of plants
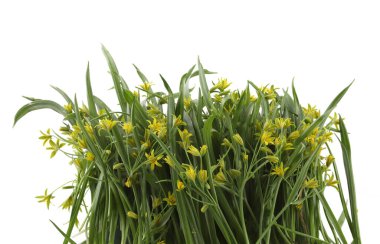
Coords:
pixel 200 165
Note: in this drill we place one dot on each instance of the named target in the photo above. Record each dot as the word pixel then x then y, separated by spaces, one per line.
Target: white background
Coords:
pixel 323 44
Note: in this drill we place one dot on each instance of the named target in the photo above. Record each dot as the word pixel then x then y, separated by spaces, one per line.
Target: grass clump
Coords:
pixel 246 166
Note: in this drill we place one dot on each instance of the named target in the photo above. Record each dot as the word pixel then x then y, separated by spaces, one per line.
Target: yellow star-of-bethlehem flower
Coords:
pixel 332 182
pixel 153 159
pixel 220 177
pixel 312 183
pixel 237 138
pixel 132 215
pixel 157 127
pixel 180 185
pixel 311 111
pixel 202 176
pixel 279 170
pixel 170 200
pixel 68 107
pixel 282 123
pixel 187 102
pixel 107 124
pixel 146 86
pixel 128 127
pixel 267 138
pixel 185 138
pixel 222 85
pixel 190 172
pixel 194 151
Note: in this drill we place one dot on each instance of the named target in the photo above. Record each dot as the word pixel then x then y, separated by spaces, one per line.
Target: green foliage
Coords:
pixel 228 166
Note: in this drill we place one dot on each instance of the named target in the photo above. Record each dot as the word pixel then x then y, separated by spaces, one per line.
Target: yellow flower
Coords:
pixel 161 242
pixel 288 146
pixel 128 127
pixel 68 108
pixel 270 93
pixel 218 98
pixel 55 147
pixel 269 126
pixel 294 135
pixel 237 138
pixel 329 160
pixel 46 198
pixel 128 183
pixel 279 170
pixel 89 129
pixel 204 208
pixel 234 173
pixel 146 86
pixel 170 200
pixel 185 138
pixel 45 137
pixel 266 150
pixel 90 156
pixel 178 121
pixel 253 98
pixel 68 202
pixel 221 85
pixel 157 127
pixel 180 185
pixel 107 124
pixel 278 141
pixel 190 172
pixel 312 183
pixel 226 143
pixel 272 158
pixel 202 176
pixel 311 112
pixel 245 157
pixel 169 161
pixel 156 202
pixel 332 182
pixel 194 151
pixel 266 138
pixel 282 123
pixel 220 177
pixel 187 102
pixel 203 150
pixel 153 160
pixel 335 120
pixel 132 215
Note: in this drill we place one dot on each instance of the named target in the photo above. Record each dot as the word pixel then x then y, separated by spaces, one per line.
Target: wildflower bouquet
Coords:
pixel 245 166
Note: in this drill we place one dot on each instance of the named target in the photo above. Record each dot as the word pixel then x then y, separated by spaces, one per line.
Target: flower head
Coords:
pixel 312 183
pixel 107 124
pixel 267 138
pixel 128 127
pixel 146 86
pixel 153 159
pixel 180 185
pixel 202 176
pixel 237 138
pixel 221 85
pixel 46 198
pixel 170 200
pixel 132 215
pixel 279 170
pixel 194 151
pixel 185 138
pixel 190 172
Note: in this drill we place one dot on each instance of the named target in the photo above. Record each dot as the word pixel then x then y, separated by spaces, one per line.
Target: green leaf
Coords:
pixel 36 105
pixel 67 238
pixel 346 150
pixel 204 87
